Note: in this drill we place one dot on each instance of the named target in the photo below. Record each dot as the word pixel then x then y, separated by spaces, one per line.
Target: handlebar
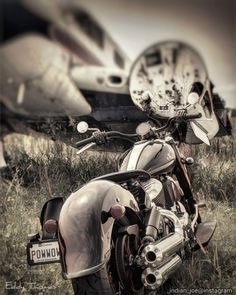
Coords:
pixel 101 137
pixel 120 134
pixel 85 141
pixel 193 116
pixel 186 117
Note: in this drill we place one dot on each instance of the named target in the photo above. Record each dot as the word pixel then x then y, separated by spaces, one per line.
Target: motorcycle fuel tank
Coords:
pixel 155 157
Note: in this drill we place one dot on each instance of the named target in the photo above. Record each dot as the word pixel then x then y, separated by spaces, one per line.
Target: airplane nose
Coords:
pixel 70 97
pixel 80 106
pixel 85 108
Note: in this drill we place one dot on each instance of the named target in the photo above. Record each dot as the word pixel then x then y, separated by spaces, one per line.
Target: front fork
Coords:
pixel 184 180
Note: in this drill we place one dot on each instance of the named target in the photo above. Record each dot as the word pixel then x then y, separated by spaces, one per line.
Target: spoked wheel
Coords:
pixel 125 252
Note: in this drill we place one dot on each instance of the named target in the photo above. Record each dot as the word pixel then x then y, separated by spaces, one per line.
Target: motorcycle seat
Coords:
pixel 125 176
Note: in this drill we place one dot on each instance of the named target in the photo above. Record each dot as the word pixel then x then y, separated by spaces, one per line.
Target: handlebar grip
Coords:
pixel 85 141
pixel 193 116
pixel 101 137
pixel 120 134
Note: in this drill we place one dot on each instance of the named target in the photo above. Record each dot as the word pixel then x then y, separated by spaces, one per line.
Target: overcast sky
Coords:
pixel 208 25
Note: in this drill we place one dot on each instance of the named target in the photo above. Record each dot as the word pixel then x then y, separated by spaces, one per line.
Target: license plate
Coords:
pixel 42 252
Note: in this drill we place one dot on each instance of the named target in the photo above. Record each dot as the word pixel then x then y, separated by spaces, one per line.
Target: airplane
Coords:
pixel 59 66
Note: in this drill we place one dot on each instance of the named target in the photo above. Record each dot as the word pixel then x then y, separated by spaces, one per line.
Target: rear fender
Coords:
pixel 84 236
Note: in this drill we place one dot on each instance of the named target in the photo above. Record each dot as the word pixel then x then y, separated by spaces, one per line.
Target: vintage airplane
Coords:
pixel 59 66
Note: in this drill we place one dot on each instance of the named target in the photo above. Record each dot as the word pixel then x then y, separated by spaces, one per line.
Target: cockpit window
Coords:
pixel 174 55
pixel 70 44
pixel 90 28
pixel 198 88
pixel 206 104
pixel 119 60
pixel 153 59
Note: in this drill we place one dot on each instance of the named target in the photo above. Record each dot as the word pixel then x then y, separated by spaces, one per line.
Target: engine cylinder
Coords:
pixel 153 223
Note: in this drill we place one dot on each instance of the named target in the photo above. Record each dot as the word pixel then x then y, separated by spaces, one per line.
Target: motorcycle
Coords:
pixel 129 231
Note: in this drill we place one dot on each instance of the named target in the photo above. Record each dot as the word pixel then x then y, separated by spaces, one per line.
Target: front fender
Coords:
pixel 84 240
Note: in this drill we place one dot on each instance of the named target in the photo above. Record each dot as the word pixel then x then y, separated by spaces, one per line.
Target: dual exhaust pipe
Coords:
pixel 161 260
pixel 153 278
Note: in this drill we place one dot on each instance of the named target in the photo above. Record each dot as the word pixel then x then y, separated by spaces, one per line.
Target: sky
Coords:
pixel 207 25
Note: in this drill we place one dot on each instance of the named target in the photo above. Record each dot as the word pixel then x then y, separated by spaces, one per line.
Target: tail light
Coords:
pixel 50 226
pixel 117 211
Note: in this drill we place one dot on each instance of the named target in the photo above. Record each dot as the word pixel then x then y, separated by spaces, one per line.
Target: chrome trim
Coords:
pixel 161 274
pixel 135 155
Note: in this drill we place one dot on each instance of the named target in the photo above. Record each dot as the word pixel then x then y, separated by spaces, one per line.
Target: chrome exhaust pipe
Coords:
pixel 155 253
pixel 153 278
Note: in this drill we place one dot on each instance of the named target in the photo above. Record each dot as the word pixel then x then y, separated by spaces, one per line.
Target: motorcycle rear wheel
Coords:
pixel 94 284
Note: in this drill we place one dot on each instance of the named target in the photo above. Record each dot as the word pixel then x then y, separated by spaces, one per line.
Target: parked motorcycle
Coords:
pixel 126 232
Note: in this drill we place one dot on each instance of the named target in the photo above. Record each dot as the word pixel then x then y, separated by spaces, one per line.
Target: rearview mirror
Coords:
pixel 193 98
pixel 82 127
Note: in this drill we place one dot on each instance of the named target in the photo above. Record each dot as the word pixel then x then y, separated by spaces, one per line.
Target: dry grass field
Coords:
pixel 39 169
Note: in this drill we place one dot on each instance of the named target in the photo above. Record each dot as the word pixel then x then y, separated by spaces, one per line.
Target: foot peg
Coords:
pixel 205 231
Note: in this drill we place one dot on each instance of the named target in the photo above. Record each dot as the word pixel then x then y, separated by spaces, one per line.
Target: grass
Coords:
pixel 39 169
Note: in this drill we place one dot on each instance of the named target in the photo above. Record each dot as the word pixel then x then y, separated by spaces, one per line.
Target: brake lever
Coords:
pixel 84 148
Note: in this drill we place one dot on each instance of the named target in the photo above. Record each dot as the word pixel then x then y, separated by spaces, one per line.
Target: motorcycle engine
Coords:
pixel 155 191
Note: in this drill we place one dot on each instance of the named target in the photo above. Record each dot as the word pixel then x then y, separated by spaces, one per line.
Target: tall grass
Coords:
pixel 53 167
pixel 39 169
pixel 214 171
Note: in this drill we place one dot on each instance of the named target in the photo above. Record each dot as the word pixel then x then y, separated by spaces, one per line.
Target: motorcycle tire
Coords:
pixel 94 284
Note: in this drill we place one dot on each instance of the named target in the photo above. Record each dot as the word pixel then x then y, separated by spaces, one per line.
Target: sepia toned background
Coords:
pixel 40 168
pixel 207 25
